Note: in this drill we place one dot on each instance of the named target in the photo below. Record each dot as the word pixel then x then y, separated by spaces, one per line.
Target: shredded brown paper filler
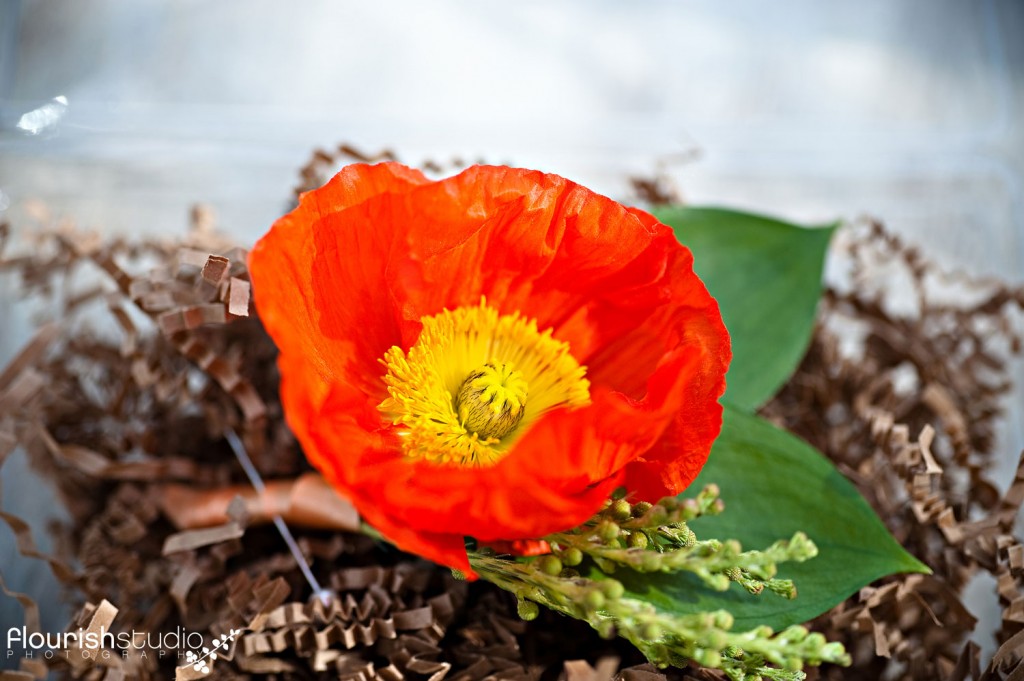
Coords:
pixel 124 402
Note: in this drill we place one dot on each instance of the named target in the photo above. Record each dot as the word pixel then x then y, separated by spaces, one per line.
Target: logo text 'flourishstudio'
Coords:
pixel 106 644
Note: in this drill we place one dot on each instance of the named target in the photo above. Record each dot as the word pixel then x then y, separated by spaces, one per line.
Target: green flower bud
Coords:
pixel 594 599
pixel 549 565
pixel 637 540
pixel 784 587
pixel 621 510
pixel 711 546
pixel 718 582
pixel 606 630
pixel 796 633
pixel 815 641
pixel 723 619
pixel 835 652
pixel 612 588
pixel 640 508
pixel 658 653
pixel 572 556
pixel 801 547
pixel 607 530
pixel 651 631
pixel 528 610
pixel 708 658
pixel 716 639
pixel 732 651
pixel 690 539
pixel 753 587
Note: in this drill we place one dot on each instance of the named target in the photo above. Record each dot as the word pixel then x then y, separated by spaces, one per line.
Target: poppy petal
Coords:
pixel 354 270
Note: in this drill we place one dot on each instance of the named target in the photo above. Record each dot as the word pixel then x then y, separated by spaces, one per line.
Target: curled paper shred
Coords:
pixel 323 164
pixel 307 501
pixel 28 356
pixel 239 297
pixel 194 539
pixel 28 605
pixel 27 547
pixel 140 462
pixel 101 617
pixel 921 454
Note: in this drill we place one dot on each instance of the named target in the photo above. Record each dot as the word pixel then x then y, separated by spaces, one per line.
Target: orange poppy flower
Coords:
pixel 488 355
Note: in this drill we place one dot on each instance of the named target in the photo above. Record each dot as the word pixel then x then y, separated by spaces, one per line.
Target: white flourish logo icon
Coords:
pixel 199 662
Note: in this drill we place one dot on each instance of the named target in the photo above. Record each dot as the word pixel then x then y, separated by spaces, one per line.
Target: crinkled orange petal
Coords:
pixel 296 301
pixel 305 391
pixel 338 286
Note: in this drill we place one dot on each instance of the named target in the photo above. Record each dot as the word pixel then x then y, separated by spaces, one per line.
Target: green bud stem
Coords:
pixel 659 540
pixel 665 638
pixel 655 538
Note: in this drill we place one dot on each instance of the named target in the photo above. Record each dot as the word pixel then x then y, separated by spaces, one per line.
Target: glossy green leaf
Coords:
pixel 773 485
pixel 766 276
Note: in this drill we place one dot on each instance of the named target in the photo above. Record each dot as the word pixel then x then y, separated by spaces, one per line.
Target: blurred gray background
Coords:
pixel 122 113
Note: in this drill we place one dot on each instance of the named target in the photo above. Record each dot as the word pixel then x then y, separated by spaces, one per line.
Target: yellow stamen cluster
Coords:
pixel 474 382
pixel 492 400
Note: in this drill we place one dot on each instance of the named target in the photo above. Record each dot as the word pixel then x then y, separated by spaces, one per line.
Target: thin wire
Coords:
pixel 257 482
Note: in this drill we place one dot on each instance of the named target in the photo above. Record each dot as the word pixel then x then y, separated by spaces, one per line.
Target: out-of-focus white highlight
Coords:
pixel 46 117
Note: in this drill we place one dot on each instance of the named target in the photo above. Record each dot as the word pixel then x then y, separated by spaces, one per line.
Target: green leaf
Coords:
pixel 766 276
pixel 774 484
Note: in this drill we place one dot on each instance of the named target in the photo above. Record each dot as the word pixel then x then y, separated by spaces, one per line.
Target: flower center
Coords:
pixel 492 400
pixel 459 395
